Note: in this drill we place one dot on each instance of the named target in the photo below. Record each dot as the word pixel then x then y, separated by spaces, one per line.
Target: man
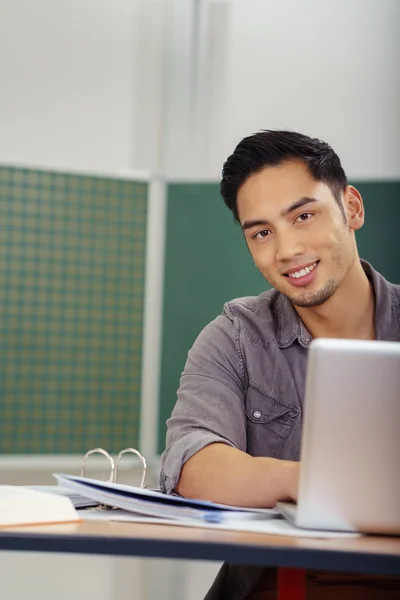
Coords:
pixel 234 435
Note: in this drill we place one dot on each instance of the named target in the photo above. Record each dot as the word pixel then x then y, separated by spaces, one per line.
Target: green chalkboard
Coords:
pixel 207 264
pixel 72 264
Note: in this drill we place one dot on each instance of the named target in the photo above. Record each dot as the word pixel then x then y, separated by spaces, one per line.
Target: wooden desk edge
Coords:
pixel 362 555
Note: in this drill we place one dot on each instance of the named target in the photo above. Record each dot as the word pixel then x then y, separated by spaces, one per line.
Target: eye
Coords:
pixel 261 234
pixel 304 217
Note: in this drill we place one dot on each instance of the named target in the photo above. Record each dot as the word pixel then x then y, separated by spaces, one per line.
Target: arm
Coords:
pixel 206 434
pixel 227 475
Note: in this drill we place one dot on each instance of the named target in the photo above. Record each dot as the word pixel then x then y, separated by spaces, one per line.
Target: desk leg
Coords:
pixel 291 584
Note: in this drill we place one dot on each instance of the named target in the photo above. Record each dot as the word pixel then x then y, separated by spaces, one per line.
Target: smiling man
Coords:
pixel 234 435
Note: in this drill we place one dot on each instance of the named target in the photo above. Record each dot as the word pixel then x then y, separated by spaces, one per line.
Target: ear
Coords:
pixel 354 207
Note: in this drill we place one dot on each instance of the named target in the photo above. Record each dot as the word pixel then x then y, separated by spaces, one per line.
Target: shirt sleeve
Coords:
pixel 210 405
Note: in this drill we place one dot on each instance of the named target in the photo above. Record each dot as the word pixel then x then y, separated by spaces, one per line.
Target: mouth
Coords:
pixel 304 275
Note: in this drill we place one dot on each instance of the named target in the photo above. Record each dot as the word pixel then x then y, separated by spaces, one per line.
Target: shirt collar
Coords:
pixel 387 314
pixel 387 306
pixel 290 326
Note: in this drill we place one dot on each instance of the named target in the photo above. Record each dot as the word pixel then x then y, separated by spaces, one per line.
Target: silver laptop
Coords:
pixel 350 454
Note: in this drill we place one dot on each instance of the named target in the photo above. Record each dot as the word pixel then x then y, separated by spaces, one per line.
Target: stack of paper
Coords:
pixel 77 500
pixel 152 506
pixel 155 504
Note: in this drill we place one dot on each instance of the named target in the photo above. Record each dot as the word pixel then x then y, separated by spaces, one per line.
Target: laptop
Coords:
pixel 350 452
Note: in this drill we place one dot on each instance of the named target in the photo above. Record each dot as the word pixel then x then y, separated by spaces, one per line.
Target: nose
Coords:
pixel 288 245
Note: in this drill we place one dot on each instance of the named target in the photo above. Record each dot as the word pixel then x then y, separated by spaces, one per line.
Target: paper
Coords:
pixel 156 504
pixel 277 526
pixel 23 506
pixel 77 500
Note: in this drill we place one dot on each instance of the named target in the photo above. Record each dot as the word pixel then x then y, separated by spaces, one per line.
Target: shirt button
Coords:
pixel 256 414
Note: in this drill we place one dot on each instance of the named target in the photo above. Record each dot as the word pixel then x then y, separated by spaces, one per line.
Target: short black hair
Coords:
pixel 269 148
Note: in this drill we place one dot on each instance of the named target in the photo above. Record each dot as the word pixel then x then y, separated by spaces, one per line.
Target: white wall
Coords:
pixel 173 85
pixel 80 83
pixel 96 85
pixel 329 68
pixel 67 71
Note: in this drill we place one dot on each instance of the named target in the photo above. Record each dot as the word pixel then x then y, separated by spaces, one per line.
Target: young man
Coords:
pixel 234 435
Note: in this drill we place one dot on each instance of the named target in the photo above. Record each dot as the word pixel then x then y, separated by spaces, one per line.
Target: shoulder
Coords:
pixel 380 283
pixel 261 306
pixel 395 293
pixel 395 289
pixel 389 316
pixel 387 304
pixel 254 316
pixel 257 317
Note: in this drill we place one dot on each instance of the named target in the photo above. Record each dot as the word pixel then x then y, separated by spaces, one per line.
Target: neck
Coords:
pixel 349 312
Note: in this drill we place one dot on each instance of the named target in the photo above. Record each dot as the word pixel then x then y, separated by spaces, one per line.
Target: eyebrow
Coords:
pixel 297 204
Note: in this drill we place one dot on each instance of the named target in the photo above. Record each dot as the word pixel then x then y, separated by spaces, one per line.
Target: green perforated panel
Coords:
pixel 72 252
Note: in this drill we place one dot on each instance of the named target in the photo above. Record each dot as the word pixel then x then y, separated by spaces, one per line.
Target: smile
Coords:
pixel 302 272
pixel 303 276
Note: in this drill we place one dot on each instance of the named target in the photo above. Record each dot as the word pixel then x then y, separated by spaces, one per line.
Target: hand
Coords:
pixel 281 479
pixel 293 479
pixel 287 480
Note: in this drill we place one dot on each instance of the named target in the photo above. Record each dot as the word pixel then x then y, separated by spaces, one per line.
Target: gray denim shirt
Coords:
pixel 243 383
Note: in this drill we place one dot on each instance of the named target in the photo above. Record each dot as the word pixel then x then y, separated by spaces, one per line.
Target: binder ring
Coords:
pixel 131 451
pixel 112 477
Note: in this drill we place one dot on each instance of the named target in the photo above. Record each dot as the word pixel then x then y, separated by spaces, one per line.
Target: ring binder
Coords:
pixel 113 478
pixel 125 502
pixel 131 451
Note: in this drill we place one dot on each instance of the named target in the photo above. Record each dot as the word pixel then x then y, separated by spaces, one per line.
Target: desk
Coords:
pixel 365 554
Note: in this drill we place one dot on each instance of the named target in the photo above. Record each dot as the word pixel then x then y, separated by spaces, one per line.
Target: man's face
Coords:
pixel 298 236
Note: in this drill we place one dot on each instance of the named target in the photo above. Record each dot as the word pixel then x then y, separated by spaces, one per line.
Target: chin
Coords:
pixel 316 298
pixel 307 301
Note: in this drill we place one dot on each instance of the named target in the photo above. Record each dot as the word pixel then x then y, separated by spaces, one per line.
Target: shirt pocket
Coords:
pixel 269 423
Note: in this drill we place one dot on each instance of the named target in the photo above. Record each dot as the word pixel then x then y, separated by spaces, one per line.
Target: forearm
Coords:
pixel 224 474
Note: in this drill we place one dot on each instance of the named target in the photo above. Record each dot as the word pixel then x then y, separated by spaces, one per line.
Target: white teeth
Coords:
pixel 303 272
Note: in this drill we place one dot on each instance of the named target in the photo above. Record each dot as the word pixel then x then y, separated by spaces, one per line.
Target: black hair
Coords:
pixel 270 148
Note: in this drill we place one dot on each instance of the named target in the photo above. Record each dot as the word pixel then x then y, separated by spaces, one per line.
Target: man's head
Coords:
pixel 290 194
